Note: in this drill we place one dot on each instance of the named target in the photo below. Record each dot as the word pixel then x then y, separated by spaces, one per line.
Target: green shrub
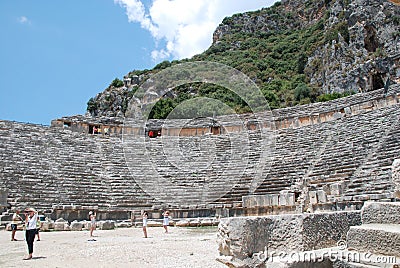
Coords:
pixel 333 96
pixel 302 91
pixel 92 105
pixel 117 83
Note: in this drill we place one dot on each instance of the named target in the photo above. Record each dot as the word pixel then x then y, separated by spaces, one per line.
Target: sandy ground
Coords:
pixel 123 247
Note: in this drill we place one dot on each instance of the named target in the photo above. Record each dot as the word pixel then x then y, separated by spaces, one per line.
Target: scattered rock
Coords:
pixel 182 223
pixel 76 226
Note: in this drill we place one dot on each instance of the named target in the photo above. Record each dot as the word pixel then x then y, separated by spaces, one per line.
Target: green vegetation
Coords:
pixel 92 105
pixel 333 96
pixel 227 102
pixel 273 57
pixel 117 83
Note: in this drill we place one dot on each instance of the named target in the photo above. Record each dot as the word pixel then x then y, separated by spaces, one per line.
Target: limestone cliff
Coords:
pixel 364 47
pixel 328 46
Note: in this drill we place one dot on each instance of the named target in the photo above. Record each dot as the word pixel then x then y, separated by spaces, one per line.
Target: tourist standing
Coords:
pixel 16 218
pixel 30 225
pixel 166 220
pixel 133 218
pixel 38 226
pixel 92 218
pixel 145 215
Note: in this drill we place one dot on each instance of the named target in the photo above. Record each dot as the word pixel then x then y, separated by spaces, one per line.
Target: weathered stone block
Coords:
pixel 182 223
pixel 45 226
pixel 380 212
pixel 60 220
pixel 76 226
pixel 322 230
pixel 375 238
pixel 51 225
pixel 268 200
pixel 107 225
pixel 206 222
pixel 194 223
pixel 275 200
pixel 60 226
pixel 124 224
pixel 321 195
pixel 154 224
pixel 242 237
pixel 335 189
pixel 291 199
pixel 283 199
pixel 313 197
pixel 248 201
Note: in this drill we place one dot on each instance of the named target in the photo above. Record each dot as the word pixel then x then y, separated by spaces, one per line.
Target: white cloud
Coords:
pixel 24 20
pixel 184 27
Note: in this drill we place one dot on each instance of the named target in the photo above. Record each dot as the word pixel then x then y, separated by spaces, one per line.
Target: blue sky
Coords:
pixel 56 55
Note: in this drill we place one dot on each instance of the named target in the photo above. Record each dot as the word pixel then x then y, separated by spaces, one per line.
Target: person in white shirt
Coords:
pixel 144 217
pixel 92 217
pixel 166 221
pixel 31 217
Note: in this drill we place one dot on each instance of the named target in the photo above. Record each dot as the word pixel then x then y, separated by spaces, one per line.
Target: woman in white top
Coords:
pixel 166 221
pixel 144 216
pixel 92 217
pixel 30 223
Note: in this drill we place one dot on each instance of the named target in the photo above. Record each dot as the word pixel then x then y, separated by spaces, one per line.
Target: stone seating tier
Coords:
pixel 380 229
pixel 42 166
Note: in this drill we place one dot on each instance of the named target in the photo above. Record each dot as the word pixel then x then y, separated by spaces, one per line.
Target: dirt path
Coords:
pixel 123 247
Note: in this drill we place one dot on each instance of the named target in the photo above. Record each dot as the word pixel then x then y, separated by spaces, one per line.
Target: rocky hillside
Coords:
pixel 296 51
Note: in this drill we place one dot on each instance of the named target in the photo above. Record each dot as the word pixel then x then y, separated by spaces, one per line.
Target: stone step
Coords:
pixel 381 213
pixel 375 238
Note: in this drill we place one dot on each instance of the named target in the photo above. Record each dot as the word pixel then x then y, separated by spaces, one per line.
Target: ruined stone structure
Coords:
pixel 255 241
pixel 327 156
pixel 361 238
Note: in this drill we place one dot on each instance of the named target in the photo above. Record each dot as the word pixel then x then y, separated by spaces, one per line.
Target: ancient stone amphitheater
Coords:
pixel 325 162
pixel 327 156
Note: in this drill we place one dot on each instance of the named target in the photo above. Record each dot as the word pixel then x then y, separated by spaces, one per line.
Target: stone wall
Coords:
pixel 240 238
pixel 291 117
